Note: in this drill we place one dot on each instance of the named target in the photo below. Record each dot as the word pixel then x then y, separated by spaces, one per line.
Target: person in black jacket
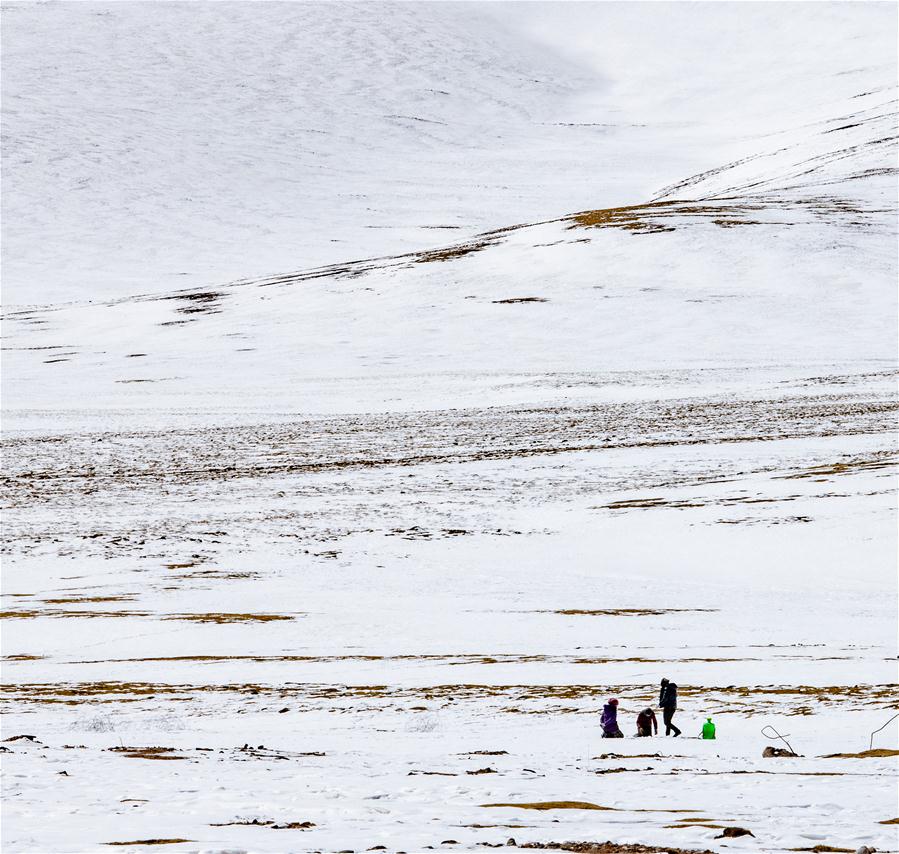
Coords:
pixel 668 705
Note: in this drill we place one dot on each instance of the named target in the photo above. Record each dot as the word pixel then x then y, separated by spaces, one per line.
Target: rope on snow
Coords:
pixel 871 743
pixel 776 736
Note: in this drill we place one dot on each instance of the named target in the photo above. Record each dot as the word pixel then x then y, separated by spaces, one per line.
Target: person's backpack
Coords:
pixel 708 729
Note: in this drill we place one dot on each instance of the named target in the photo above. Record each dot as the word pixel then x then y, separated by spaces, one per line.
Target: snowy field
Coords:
pixel 385 387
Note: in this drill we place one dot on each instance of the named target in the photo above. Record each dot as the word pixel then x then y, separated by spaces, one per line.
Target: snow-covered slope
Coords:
pixel 154 146
pixel 387 386
pixel 785 257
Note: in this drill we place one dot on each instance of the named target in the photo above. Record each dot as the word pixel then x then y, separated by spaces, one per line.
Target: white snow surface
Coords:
pixel 150 146
pixel 386 386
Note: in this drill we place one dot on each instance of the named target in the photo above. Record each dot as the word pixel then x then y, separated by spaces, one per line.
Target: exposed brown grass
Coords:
pixel 212 574
pixel 659 216
pixel 302 449
pixel 883 460
pixel 448 659
pixel 512 699
pixel 31 614
pixel 486 753
pixel 628 612
pixel 269 823
pixel 630 217
pixel 637 756
pixel 147 752
pixel 230 618
pixel 610 848
pixel 876 753
pixel 824 849
pixel 151 842
pixel 630 503
pixel 553 805
pixel 450 253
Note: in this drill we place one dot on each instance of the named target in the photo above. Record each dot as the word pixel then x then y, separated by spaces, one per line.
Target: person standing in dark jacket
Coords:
pixel 668 705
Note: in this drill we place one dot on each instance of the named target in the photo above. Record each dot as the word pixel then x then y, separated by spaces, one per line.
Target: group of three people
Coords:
pixel 647 725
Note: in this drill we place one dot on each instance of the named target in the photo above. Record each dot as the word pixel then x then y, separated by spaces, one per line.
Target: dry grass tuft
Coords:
pixel 876 753
pixel 486 753
pixel 230 618
pixel 630 218
pixel 610 848
pixel 660 216
pixel 824 849
pixel 147 752
pixel 50 612
pixel 450 253
pixel 848 467
pixel 553 805
pixel 629 612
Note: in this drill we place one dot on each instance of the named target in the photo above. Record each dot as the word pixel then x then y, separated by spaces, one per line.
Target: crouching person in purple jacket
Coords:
pixel 609 720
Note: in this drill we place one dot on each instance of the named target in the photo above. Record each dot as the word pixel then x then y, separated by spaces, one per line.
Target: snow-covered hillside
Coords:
pixel 154 146
pixel 385 387
pixel 785 257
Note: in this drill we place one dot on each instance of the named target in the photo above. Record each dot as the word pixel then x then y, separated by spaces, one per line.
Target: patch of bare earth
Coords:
pixel 611 848
pixel 230 618
pixel 552 805
pixel 147 752
pixel 876 753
